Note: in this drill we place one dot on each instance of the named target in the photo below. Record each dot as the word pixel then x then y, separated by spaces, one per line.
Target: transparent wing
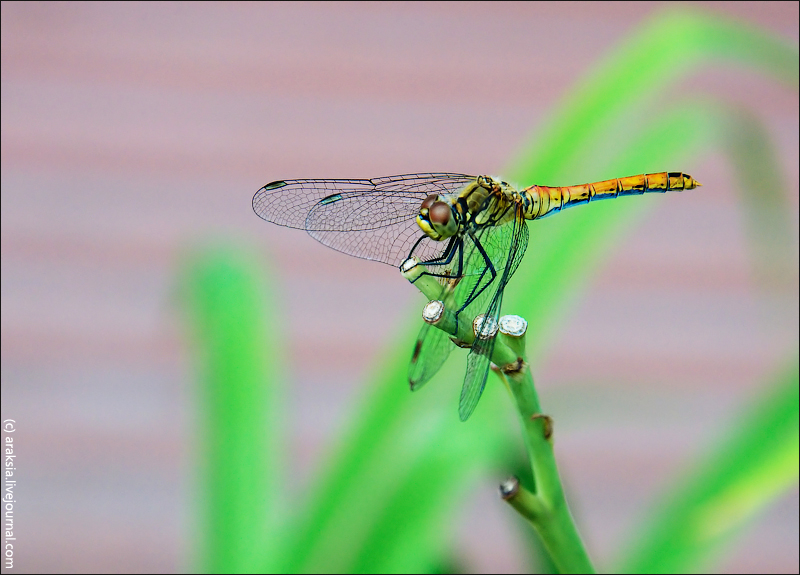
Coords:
pixel 505 247
pixel 462 272
pixel 431 349
pixel 469 267
pixel 371 219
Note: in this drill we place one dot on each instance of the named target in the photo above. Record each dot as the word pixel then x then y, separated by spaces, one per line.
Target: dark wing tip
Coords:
pixel 260 199
pixel 274 185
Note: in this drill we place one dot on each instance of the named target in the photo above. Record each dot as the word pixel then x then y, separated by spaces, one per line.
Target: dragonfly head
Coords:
pixel 437 219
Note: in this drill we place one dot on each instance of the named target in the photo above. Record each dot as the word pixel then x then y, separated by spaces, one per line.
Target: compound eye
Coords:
pixel 439 213
pixel 428 202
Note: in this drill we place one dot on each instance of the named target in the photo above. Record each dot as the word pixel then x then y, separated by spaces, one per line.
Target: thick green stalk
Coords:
pixel 546 509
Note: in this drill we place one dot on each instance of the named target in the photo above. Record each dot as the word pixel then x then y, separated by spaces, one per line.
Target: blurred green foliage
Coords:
pixel 394 482
pixel 240 430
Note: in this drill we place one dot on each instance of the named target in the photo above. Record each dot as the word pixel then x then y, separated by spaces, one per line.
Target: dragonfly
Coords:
pixel 467 232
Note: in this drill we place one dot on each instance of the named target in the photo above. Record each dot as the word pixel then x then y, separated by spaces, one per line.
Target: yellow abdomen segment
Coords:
pixel 545 200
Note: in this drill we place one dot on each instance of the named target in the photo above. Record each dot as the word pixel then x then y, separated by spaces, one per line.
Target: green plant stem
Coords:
pixel 546 509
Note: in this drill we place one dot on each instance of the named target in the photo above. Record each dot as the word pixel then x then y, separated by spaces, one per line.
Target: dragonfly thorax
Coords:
pixel 437 218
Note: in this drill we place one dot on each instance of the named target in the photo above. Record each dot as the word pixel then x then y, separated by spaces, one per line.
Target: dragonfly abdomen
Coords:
pixel 543 201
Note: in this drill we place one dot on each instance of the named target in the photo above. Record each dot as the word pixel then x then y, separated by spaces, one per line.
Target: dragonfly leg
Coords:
pixel 455 245
pixel 489 268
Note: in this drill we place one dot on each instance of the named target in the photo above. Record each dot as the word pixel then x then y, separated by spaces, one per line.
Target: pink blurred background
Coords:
pixel 132 132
